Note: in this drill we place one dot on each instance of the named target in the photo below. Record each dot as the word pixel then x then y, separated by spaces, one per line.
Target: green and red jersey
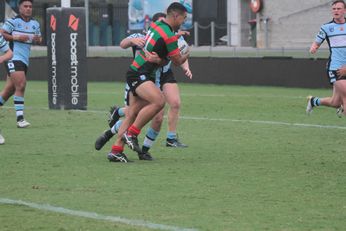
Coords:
pixel 160 39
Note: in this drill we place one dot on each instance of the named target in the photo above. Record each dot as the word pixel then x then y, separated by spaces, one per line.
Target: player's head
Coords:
pixel 25 8
pixel 177 14
pixel 158 16
pixel 339 1
pixel 338 10
pixel 21 1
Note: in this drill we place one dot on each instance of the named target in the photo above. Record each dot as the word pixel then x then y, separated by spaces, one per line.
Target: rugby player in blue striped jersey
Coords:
pixel 6 55
pixel 21 31
pixel 334 32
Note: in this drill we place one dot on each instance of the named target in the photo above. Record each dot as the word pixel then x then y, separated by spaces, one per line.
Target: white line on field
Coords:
pixel 267 122
pixel 222 119
pixel 92 215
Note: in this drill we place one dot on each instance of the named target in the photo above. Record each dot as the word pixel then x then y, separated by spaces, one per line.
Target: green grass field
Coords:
pixel 255 162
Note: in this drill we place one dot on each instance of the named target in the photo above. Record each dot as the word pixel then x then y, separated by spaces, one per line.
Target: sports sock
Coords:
pixel 2 101
pixel 121 112
pixel 315 101
pixel 117 149
pixel 19 107
pixel 116 127
pixel 133 131
pixel 171 135
pixel 149 139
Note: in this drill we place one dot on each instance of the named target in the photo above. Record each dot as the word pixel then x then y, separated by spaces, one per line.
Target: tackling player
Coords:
pixel 146 100
pixel 165 80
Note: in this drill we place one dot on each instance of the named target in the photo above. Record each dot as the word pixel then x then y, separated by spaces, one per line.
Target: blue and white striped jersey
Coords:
pixel 335 35
pixel 17 26
pixel 3 45
pixel 136 49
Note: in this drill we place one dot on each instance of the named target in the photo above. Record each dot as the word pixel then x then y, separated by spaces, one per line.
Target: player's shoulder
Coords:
pixel 167 29
pixel 33 20
pixel 328 23
pixel 13 19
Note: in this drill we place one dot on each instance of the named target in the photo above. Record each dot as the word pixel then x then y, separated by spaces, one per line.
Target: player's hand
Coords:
pixel 314 47
pixel 152 57
pixel 140 42
pixel 37 39
pixel 188 73
pixel 182 33
pixel 341 72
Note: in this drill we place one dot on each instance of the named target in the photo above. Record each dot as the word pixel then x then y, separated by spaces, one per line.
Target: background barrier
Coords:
pixel 284 72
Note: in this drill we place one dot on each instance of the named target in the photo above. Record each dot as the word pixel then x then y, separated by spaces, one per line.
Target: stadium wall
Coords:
pixel 285 72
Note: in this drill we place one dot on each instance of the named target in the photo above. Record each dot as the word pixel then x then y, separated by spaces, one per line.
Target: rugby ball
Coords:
pixel 183 46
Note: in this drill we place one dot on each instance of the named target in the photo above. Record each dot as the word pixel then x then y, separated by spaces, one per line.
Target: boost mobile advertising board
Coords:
pixel 66 43
pixel 141 11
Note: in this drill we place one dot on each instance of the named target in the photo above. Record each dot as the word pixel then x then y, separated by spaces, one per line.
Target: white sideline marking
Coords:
pixel 221 119
pixel 92 215
pixel 267 122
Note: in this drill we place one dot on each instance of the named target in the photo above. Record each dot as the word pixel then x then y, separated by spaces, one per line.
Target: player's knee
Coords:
pixel 160 102
pixel 175 105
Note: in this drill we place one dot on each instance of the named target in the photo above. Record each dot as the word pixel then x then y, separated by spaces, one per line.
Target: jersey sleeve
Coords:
pixel 172 45
pixel 9 26
pixel 135 35
pixel 3 45
pixel 321 36
pixel 37 29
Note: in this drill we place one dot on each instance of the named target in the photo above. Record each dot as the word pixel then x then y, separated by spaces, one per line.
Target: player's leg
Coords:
pixel 340 94
pixel 7 91
pixel 172 97
pixel 314 101
pixel 19 80
pixel 118 146
pixel 114 121
pixel 149 93
pixel 152 134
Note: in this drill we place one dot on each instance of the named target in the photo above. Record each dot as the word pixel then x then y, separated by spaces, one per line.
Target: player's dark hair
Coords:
pixel 339 1
pixel 176 7
pixel 21 1
pixel 157 16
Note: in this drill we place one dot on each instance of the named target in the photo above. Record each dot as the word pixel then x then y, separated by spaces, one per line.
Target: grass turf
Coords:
pixel 255 162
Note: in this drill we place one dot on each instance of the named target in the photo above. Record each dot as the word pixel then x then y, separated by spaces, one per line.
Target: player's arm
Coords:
pixel 153 57
pixel 314 47
pixel 179 59
pixel 7 56
pixel 320 37
pixel 183 33
pixel 9 37
pixel 130 42
pixel 186 68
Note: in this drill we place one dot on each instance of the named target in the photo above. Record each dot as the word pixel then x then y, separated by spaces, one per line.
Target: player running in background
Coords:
pixel 165 80
pixel 21 31
pixel 146 100
pixel 334 32
pixel 6 55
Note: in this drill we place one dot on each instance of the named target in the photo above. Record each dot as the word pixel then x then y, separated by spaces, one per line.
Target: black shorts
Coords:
pixel 134 79
pixel 333 76
pixel 15 65
pixel 167 77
